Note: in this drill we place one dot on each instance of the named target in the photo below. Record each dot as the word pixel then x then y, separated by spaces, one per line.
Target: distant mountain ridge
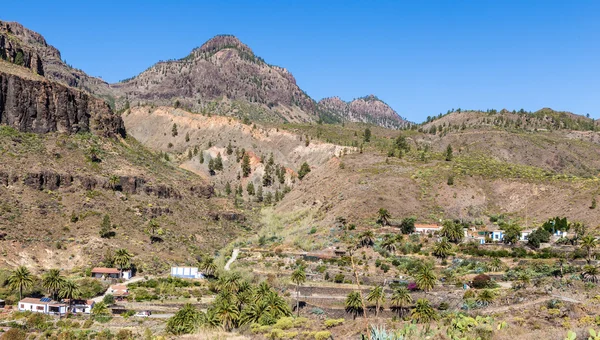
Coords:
pixel 368 109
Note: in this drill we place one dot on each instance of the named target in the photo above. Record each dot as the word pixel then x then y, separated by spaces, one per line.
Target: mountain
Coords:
pixel 369 109
pixel 223 76
pixel 24 47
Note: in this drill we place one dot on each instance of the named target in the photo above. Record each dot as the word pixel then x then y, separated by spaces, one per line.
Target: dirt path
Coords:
pixel 234 256
pixel 529 303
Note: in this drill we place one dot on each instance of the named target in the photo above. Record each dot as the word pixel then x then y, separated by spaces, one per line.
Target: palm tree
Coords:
pixel 453 231
pixel 376 295
pixel 354 304
pixel 400 299
pixel 122 259
pixel 366 238
pixel 590 273
pixel 495 264
pixel 100 309
pixel 486 297
pixel 69 290
pixel 425 277
pixel 210 320
pixel 230 282
pixel 389 244
pixel 187 320
pixel 253 312
pixel 442 248
pixel 208 265
pixel 298 278
pixel 262 291
pixel 53 282
pixel 20 279
pixel 383 217
pixel 228 313
pixel 276 305
pixel 588 243
pixel 423 312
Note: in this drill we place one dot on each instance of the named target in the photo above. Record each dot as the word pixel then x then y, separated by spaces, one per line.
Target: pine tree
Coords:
pixel 211 167
pixel 187 137
pixel 367 136
pixel 196 150
pixel 105 227
pixel 240 190
pixel 259 194
pixel 218 164
pixel 227 189
pixel 201 157
pixel 229 149
pixel 250 189
pixel 304 169
pixel 190 155
pixel 174 130
pixel 449 153
pixel 246 165
pixel 268 198
pixel 281 174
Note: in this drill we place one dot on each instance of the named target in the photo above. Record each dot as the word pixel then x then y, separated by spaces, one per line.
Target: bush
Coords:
pixel 14 334
pixel 322 335
pixel 481 281
pixel 108 299
pixel 284 323
pixel 333 322
pixel 339 278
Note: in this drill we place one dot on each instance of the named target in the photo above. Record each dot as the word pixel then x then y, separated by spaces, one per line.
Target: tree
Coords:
pixel 211 167
pixel 512 233
pixel 401 299
pixel 53 282
pixel 424 312
pixel 383 217
pixel 174 130
pixel 246 165
pixel 588 243
pixel 259 194
pixel 304 170
pixel 187 137
pixel 367 135
pixel 354 304
pixel 486 297
pixel 389 244
pixel 590 273
pixel 250 188
pixel 20 279
pixel 227 189
pixel 100 309
pixel 366 238
pixel 376 295
pixel 453 231
pixel 298 278
pixel 448 153
pixel 229 149
pixel 122 260
pixel 537 237
pixel 69 290
pixel 208 265
pixel 228 313
pixel 407 226
pixel 281 175
pixel 425 277
pixel 106 228
pixel 442 248
pixel 201 157
pixel 218 164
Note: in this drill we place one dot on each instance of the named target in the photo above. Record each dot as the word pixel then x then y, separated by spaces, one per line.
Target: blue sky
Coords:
pixel 421 57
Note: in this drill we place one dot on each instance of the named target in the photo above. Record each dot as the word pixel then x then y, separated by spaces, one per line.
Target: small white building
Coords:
pixel 44 305
pixel 82 306
pixel 111 273
pixel 497 235
pixel 525 234
pixel 427 228
pixel 186 273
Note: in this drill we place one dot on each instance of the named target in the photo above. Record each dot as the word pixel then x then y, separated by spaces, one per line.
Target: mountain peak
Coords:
pixel 368 109
pixel 221 42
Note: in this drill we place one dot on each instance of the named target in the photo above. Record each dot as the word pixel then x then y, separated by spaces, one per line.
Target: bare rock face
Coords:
pixel 36 105
pixel 369 109
pixel 222 70
pixel 24 47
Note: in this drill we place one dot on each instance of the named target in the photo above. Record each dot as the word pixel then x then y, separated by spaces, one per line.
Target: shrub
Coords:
pixel 481 281
pixel 108 299
pixel 339 278
pixel 333 322
pixel 323 335
pixel 284 323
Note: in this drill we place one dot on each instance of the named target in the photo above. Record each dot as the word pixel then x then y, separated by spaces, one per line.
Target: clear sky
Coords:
pixel 421 57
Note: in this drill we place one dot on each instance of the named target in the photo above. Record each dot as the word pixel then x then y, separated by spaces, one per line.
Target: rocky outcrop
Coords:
pixel 12 52
pixel 369 109
pixel 203 191
pixel 40 106
pixel 47 180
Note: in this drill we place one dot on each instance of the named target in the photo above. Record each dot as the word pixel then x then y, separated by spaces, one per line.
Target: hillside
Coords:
pixel 369 109
pixel 219 75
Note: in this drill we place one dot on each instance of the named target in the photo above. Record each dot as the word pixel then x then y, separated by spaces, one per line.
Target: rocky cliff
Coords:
pixel 31 103
pixel 223 70
pixel 369 109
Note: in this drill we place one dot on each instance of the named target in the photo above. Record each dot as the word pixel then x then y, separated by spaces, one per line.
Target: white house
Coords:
pixel 560 233
pixel 525 234
pixel 111 273
pixel 82 306
pixel 120 292
pixel 427 228
pixel 497 235
pixel 186 273
pixel 44 305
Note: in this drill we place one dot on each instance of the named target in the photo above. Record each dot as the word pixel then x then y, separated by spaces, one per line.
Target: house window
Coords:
pixel 39 307
pixel 22 306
